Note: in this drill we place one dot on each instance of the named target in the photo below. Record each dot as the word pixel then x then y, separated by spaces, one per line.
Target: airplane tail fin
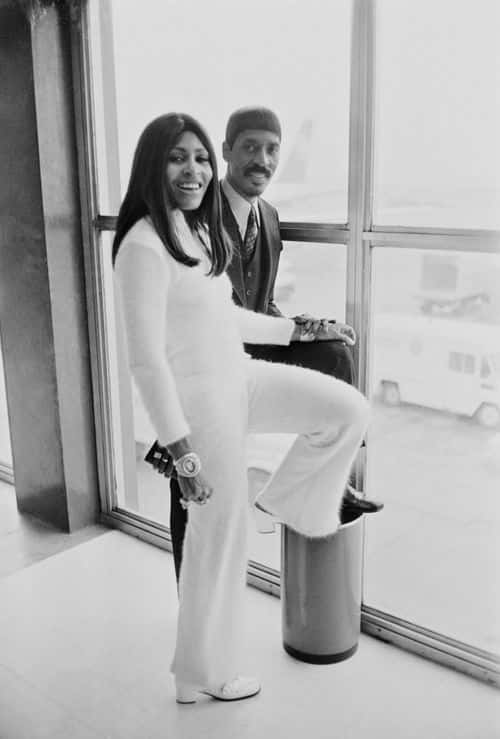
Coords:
pixel 294 170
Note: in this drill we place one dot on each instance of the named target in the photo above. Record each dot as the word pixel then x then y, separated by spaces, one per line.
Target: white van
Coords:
pixel 438 363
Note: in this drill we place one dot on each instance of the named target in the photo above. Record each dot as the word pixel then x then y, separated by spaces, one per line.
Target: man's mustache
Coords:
pixel 255 168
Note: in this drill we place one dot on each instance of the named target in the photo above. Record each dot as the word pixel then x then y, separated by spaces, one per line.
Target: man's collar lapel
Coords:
pixel 235 268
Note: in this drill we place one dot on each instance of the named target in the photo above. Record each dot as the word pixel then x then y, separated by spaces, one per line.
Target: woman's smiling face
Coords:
pixel 189 171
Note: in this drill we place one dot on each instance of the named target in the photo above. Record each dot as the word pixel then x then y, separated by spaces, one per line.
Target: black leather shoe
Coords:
pixel 354 502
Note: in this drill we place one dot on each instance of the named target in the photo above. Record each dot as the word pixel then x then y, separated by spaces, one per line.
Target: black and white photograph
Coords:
pixel 249 369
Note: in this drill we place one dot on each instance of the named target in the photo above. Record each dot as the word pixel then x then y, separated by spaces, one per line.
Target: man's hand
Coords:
pixel 338 332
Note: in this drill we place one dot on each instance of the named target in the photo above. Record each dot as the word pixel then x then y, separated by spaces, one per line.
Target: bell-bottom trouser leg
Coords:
pixel 332 358
pixel 330 418
pixel 305 492
pixel 211 617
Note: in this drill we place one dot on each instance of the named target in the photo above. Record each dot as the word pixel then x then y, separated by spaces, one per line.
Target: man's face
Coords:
pixel 251 161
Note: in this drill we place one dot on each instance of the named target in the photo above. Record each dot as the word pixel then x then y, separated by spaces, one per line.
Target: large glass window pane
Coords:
pixel 5 448
pixel 437 150
pixel 124 427
pixel 434 444
pixel 209 58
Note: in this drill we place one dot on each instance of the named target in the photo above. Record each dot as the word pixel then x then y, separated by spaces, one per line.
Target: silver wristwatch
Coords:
pixel 189 465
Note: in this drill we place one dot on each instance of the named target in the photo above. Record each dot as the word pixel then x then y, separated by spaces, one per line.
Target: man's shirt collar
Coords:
pixel 240 206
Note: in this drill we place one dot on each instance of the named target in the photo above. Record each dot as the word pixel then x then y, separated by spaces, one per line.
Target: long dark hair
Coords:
pixel 148 193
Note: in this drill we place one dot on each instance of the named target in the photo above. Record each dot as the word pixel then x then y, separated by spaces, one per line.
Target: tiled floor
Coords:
pixel 25 540
pixel 86 636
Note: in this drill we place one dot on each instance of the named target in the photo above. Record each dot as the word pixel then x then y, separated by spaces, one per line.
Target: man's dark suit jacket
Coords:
pixel 331 357
pixel 257 293
pixel 264 265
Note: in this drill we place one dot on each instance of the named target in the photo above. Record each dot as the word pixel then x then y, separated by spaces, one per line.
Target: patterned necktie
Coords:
pixel 250 235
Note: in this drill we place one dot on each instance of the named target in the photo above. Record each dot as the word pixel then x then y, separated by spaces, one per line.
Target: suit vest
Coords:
pixel 252 277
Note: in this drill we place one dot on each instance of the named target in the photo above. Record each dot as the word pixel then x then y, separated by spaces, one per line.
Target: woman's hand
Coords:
pixel 307 327
pixel 194 490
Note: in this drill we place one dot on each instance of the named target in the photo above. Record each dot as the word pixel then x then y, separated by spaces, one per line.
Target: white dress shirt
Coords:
pixel 240 207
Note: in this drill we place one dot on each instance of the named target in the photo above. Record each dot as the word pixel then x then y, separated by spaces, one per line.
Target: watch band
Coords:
pixel 189 465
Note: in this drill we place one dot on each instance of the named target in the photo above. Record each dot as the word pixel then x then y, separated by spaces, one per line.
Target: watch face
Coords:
pixel 190 466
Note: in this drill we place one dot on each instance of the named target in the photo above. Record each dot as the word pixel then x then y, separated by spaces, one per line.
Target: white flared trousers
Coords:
pixel 330 418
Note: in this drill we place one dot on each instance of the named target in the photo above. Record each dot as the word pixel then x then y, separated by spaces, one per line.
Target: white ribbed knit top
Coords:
pixel 182 328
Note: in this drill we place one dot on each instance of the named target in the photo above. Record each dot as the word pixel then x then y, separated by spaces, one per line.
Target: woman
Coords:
pixel 203 394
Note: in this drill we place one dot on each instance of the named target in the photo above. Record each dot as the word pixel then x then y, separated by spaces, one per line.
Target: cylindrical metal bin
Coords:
pixel 321 593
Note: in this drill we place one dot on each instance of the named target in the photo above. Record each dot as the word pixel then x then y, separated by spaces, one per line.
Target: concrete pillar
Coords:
pixel 43 314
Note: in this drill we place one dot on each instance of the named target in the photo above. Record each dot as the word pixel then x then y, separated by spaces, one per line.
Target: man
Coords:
pixel 251 150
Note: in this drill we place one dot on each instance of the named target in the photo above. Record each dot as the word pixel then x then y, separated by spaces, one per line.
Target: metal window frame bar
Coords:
pixel 321 233
pixel 472 241
pixel 432 645
pixel 433 230
pixel 360 183
pixel 88 182
pixel 360 237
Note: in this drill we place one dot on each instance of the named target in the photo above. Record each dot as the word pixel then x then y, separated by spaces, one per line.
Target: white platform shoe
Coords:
pixel 234 690
pixel 265 522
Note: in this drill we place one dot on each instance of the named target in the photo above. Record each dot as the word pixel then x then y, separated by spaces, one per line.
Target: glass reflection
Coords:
pixel 437 153
pixel 434 443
